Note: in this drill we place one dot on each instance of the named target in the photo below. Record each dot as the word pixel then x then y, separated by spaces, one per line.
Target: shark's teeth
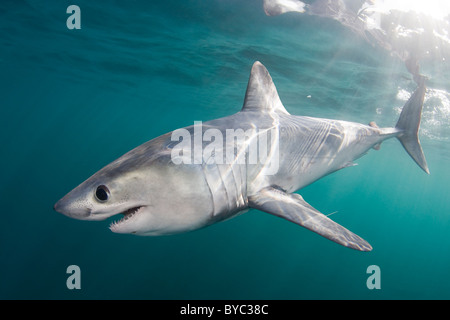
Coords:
pixel 127 215
pixel 132 211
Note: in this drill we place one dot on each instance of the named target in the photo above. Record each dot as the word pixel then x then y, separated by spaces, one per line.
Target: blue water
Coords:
pixel 74 100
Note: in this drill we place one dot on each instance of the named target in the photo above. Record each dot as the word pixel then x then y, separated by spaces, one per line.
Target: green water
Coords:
pixel 75 100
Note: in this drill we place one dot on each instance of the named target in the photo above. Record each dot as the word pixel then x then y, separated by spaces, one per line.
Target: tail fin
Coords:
pixel 408 124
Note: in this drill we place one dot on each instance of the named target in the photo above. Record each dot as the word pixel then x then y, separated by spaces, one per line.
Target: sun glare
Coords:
pixel 437 9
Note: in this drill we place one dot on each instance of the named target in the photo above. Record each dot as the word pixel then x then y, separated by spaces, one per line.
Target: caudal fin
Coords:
pixel 409 123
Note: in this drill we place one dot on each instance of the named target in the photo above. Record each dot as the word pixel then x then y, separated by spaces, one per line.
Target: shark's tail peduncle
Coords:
pixel 409 123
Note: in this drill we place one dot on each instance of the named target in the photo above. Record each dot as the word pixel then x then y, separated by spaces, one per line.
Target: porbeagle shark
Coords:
pixel 160 191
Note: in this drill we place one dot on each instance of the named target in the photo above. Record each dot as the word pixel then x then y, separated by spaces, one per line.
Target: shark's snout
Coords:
pixel 60 206
pixel 71 208
pixel 57 207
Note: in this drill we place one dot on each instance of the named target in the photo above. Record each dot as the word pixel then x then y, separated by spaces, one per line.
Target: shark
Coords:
pixel 159 188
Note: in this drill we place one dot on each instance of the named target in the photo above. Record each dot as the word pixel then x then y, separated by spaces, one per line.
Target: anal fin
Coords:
pixel 349 164
pixel 292 207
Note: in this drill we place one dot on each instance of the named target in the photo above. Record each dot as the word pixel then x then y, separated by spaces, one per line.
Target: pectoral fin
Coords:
pixel 292 207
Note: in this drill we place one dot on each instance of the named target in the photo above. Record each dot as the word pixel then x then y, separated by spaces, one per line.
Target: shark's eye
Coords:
pixel 102 193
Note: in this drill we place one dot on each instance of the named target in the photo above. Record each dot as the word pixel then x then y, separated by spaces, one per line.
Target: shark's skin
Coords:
pixel 160 197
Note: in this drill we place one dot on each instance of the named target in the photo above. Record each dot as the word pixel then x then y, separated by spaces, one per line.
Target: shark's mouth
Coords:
pixel 128 214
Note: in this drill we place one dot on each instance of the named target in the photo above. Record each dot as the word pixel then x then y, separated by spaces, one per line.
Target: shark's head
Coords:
pixel 154 195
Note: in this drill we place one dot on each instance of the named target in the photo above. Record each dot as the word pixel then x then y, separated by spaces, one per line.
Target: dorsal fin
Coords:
pixel 261 93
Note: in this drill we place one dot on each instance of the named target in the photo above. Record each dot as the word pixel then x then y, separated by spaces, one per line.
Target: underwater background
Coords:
pixel 74 100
